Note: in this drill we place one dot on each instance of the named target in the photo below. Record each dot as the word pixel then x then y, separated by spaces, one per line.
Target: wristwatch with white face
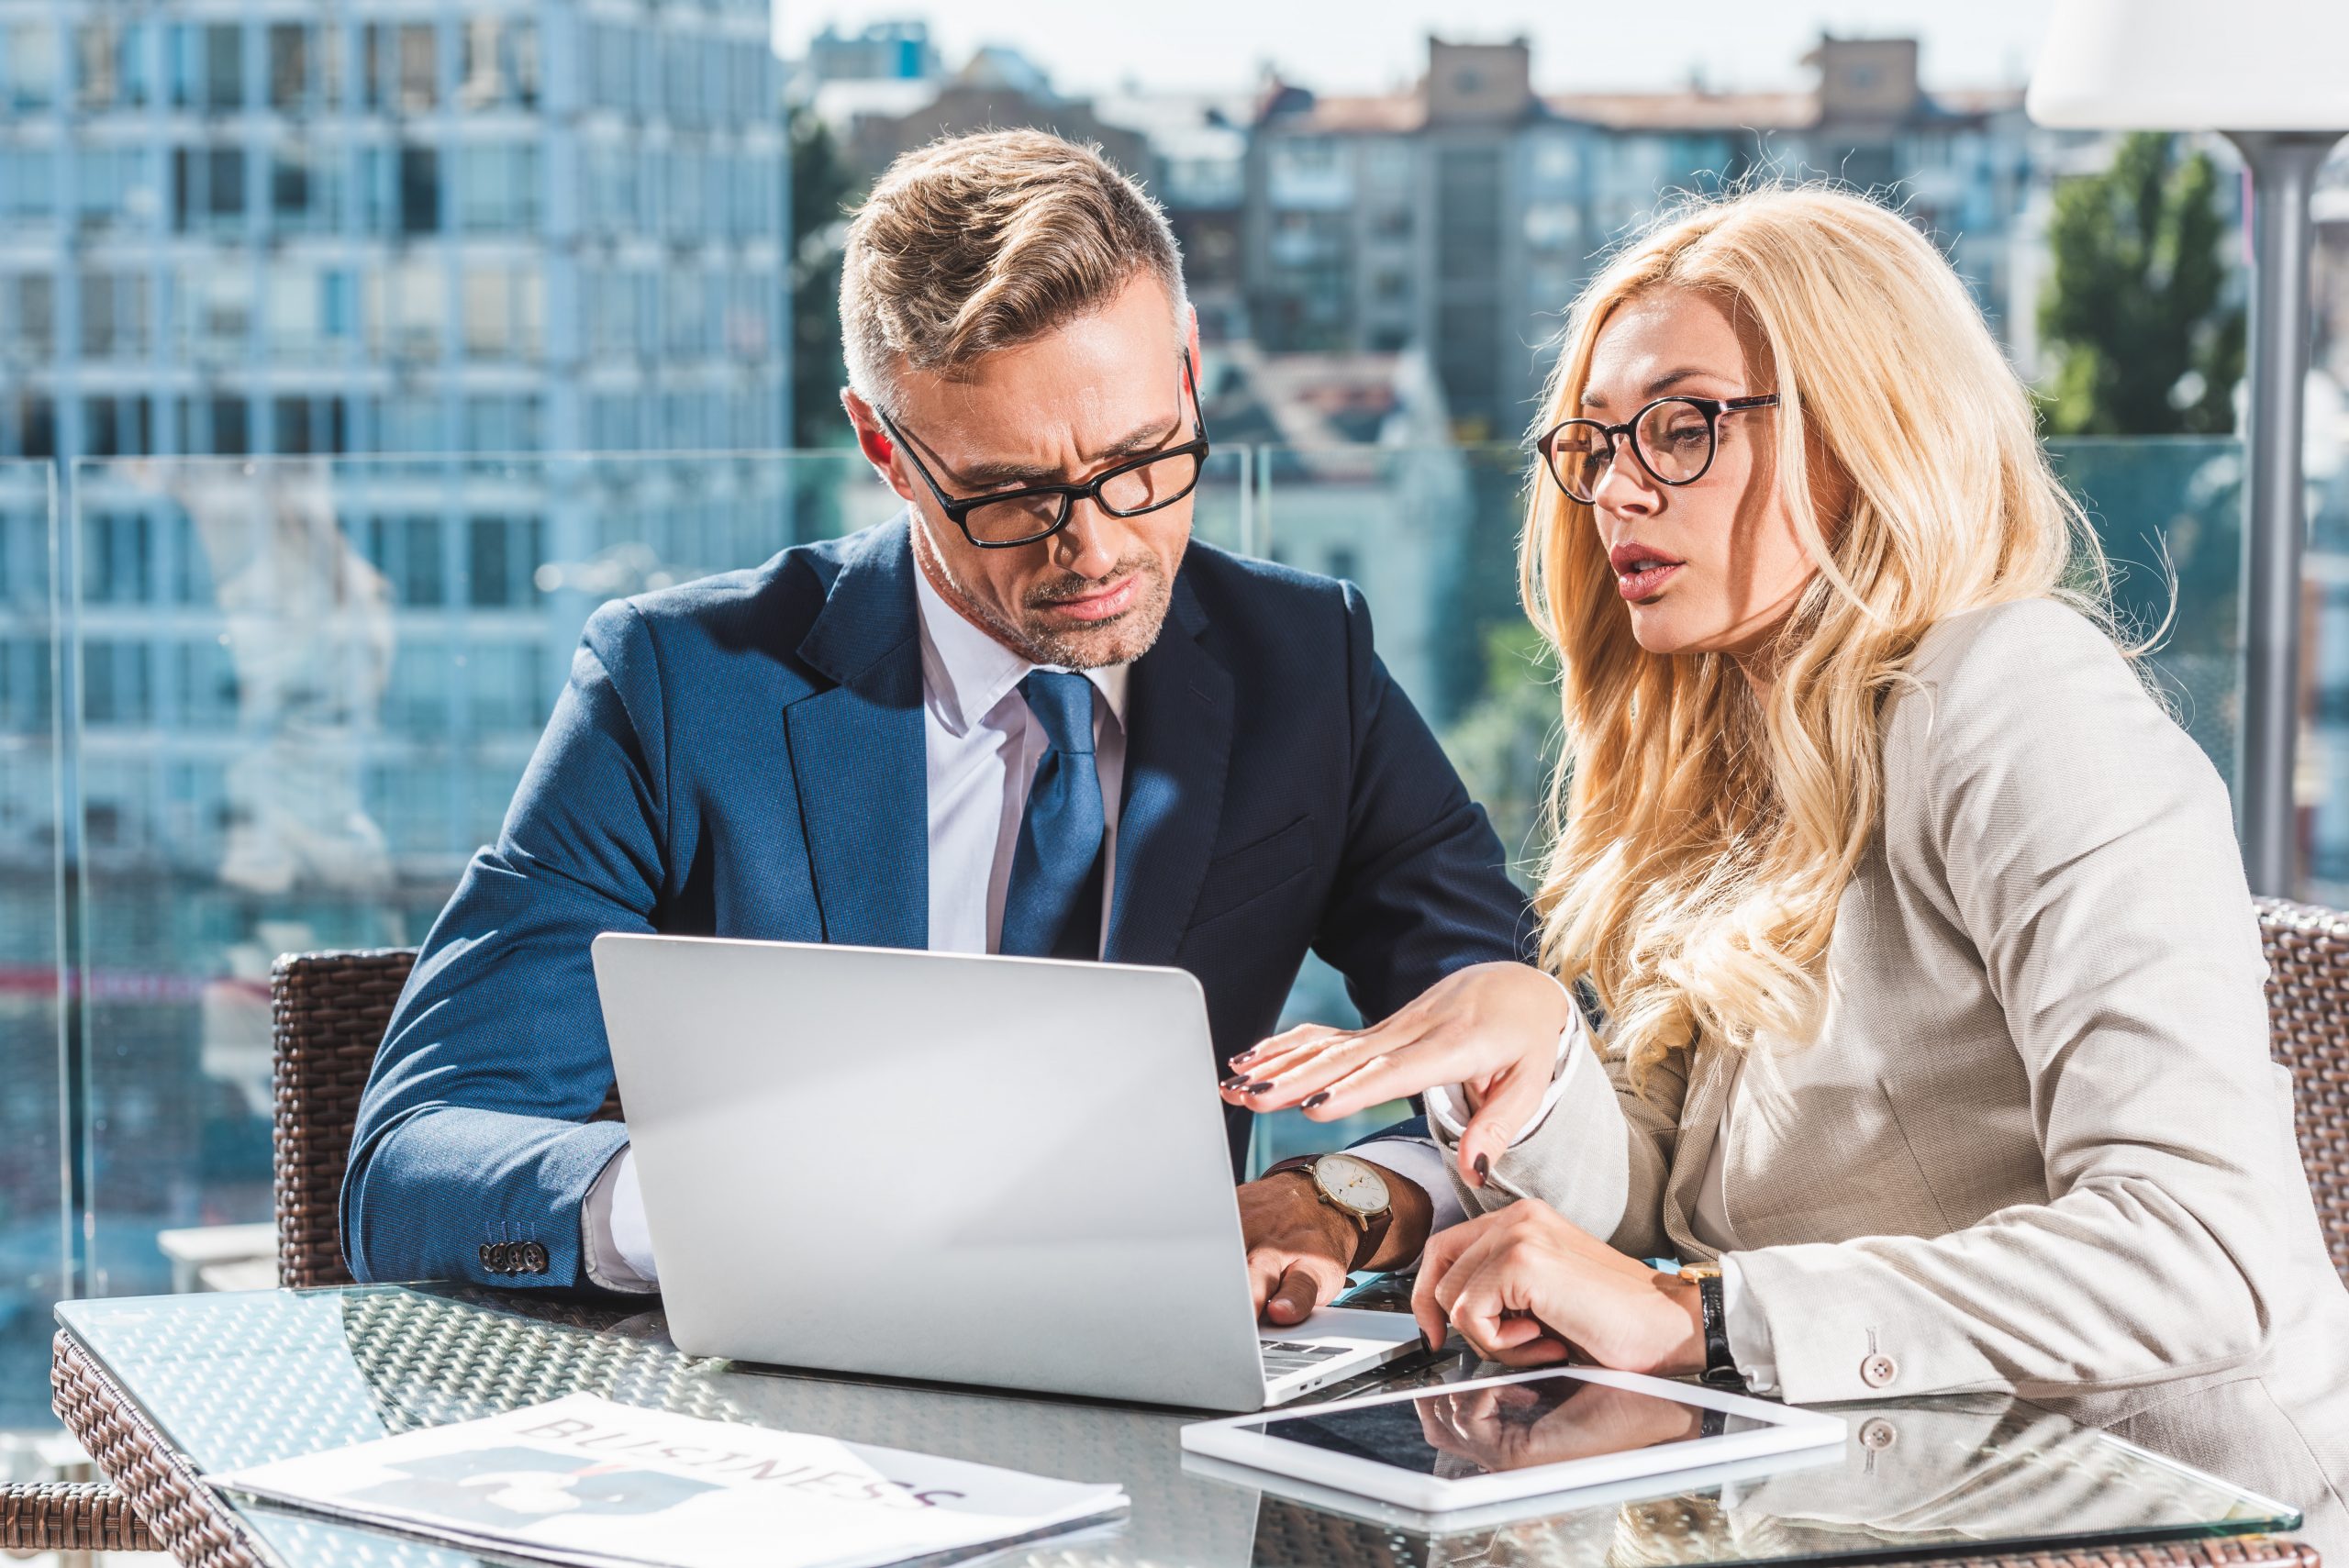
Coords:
pixel 1355 1188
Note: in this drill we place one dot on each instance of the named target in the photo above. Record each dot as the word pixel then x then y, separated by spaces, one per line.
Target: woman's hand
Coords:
pixel 1526 1287
pixel 1493 1028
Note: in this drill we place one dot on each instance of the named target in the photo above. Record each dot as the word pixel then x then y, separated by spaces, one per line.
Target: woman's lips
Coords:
pixel 1639 572
pixel 1111 601
pixel 1644 582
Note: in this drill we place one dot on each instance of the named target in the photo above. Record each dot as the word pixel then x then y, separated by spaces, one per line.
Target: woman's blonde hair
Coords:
pixel 1702 838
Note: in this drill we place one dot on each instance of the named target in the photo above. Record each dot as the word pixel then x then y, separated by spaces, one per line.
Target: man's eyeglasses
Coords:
pixel 1012 517
pixel 1673 438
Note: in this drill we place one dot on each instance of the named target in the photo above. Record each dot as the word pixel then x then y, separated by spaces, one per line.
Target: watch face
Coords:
pixel 1352 1184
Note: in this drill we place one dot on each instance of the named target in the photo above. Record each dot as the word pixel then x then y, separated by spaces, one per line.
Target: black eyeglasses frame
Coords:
pixel 958 509
pixel 1712 408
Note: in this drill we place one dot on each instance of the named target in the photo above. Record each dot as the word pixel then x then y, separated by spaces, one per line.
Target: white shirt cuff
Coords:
pixel 1422 1163
pixel 1447 1104
pixel 1749 1332
pixel 615 1242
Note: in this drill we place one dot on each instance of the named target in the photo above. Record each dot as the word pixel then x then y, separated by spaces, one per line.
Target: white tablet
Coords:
pixel 1494 1440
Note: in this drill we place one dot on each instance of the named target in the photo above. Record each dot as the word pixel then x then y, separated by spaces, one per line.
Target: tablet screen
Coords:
pixel 1515 1425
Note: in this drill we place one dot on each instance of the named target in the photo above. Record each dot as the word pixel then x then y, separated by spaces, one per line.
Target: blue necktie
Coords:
pixel 1052 907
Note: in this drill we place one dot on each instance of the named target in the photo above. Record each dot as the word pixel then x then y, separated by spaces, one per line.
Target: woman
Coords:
pixel 1931 986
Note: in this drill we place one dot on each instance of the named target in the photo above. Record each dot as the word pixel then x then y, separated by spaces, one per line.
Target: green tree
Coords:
pixel 823 186
pixel 2135 307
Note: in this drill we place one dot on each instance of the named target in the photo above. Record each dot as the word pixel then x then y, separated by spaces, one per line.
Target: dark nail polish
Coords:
pixel 1258 1088
pixel 1483 1168
pixel 1244 1056
pixel 1319 1097
pixel 1234 1080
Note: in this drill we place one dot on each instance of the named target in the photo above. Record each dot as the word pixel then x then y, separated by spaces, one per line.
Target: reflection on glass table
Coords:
pixel 175 1387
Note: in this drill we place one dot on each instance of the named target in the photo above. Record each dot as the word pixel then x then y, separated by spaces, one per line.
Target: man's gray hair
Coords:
pixel 987 241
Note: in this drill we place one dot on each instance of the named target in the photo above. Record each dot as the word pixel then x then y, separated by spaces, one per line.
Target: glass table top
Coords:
pixel 239 1379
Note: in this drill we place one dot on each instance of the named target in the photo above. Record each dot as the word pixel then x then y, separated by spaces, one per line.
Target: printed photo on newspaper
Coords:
pixel 585 1481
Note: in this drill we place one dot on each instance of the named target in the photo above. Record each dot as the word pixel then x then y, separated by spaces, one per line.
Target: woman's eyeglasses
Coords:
pixel 1013 517
pixel 1673 438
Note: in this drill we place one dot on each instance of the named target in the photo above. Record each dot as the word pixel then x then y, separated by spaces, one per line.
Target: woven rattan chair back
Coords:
pixel 328 1013
pixel 2307 1019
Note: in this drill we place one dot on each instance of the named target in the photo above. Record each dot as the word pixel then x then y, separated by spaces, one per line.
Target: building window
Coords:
pixel 25 188
pixel 232 426
pixel 98 64
pixel 499 65
pixel 216 310
pixel 117 426
pixel 28 314
pixel 419 87
pixel 495 188
pixel 290 426
pixel 419 190
pixel 501 560
pixel 114 315
pixel 208 187
pixel 224 67
pixel 30 64
pixel 289 66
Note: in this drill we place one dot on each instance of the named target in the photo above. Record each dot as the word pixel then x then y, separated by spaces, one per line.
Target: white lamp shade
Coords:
pixel 2194 65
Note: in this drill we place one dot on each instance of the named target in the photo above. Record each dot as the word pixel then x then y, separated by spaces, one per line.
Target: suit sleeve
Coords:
pixel 2087 849
pixel 1422 888
pixel 474 1127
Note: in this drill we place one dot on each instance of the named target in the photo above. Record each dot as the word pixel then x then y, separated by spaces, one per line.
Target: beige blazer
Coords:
pixel 2037 1146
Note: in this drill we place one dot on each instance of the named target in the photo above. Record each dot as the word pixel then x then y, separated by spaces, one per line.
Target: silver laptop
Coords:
pixel 1003 1170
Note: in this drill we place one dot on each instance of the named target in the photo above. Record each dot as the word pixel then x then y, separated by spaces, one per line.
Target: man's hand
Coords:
pixel 1299 1248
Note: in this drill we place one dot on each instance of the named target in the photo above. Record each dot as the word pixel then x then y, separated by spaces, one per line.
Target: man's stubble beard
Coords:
pixel 1119 641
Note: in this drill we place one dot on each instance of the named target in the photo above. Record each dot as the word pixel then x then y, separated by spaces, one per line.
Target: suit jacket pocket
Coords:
pixel 1248 874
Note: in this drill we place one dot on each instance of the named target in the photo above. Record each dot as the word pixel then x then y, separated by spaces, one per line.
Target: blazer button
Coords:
pixel 1877 1372
pixel 534 1258
pixel 489 1257
pixel 1878 1434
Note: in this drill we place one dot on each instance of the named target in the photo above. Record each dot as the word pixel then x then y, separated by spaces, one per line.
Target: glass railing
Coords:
pixel 36 1190
pixel 301 692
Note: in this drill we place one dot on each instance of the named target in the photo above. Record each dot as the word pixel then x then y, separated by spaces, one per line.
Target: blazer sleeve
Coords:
pixel 2086 846
pixel 1423 887
pixel 474 1128
pixel 1600 1158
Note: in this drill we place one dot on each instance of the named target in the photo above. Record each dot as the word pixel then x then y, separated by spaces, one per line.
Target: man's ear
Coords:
pixel 872 439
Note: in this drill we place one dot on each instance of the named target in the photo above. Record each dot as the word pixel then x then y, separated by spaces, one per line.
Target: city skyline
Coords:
pixel 1380 45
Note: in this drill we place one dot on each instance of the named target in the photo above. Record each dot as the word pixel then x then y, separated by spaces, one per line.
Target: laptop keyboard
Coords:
pixel 1283 1357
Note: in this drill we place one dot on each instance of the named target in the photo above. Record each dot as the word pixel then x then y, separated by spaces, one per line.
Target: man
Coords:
pixel 1027 717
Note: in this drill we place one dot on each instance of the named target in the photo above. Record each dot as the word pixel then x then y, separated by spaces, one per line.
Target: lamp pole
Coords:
pixel 2282 175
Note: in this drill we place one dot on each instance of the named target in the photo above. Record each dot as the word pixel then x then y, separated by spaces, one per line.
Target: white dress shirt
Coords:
pixel 981 744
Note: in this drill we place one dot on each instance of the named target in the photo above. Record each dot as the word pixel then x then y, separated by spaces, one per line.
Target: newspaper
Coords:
pixel 585 1481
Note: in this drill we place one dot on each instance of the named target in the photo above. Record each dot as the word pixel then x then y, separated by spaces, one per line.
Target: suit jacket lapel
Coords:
pixel 1701 1124
pixel 857 755
pixel 1178 749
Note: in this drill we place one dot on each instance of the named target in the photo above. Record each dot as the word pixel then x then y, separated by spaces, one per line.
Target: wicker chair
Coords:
pixel 2308 1031
pixel 328 1013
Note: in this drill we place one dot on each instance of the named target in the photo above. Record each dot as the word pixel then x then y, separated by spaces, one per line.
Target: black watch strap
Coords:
pixel 1720 1367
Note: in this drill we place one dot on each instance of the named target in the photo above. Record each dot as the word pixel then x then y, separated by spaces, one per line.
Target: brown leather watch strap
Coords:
pixel 1372 1232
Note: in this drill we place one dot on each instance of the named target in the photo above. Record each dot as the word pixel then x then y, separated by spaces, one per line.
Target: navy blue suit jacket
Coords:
pixel 743 756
